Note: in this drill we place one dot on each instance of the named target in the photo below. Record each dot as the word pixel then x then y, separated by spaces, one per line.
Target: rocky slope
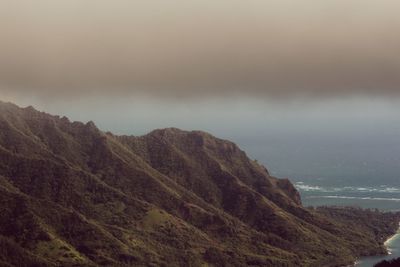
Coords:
pixel 72 195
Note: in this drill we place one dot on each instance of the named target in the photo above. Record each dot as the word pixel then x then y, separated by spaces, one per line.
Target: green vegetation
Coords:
pixel 71 195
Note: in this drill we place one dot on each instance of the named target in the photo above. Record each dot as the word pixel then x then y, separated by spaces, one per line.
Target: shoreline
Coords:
pixel 390 240
pixel 386 244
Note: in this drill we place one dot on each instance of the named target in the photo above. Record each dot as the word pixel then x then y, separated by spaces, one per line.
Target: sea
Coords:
pixel 384 197
pixel 338 170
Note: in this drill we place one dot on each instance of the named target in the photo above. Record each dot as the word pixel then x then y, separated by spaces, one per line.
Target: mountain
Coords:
pixel 72 195
pixel 390 263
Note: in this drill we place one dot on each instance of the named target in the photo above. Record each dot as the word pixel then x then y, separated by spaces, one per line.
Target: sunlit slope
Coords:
pixel 73 195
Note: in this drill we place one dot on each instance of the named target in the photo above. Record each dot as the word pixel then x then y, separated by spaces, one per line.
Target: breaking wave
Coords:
pixel 360 198
pixel 379 189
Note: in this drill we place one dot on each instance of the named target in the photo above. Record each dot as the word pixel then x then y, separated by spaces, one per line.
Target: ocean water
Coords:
pixel 393 245
pixel 384 197
pixel 360 170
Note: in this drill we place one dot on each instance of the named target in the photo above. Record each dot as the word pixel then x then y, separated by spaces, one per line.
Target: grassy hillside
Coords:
pixel 72 195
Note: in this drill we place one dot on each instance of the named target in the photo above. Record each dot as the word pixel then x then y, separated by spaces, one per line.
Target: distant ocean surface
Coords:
pixel 383 197
pixel 341 170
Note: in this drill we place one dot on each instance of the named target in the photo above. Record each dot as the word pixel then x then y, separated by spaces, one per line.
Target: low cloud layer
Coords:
pixel 200 48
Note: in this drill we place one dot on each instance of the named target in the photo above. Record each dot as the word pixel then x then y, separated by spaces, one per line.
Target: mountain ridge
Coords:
pixel 74 195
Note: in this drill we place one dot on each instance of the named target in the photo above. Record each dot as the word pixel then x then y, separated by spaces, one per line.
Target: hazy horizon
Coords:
pixel 309 89
pixel 342 141
pixel 261 73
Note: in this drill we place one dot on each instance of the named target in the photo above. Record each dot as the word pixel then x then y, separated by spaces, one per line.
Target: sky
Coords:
pixel 199 49
pixel 234 68
pixel 309 88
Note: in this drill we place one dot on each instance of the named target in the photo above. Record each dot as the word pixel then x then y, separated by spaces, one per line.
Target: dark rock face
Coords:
pixel 72 195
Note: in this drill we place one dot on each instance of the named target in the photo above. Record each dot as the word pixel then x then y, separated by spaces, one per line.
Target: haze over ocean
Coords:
pixel 340 151
pixel 308 88
pixel 313 97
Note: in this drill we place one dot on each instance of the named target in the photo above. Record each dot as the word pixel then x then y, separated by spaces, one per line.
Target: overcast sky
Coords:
pixel 207 48
pixel 224 66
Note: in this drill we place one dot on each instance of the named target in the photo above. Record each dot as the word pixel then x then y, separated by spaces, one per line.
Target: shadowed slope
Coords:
pixel 74 195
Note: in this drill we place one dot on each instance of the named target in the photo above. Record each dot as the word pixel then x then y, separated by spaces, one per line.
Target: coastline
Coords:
pixel 390 240
pixel 386 244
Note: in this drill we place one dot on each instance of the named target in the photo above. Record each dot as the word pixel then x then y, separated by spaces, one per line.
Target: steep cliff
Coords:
pixel 73 195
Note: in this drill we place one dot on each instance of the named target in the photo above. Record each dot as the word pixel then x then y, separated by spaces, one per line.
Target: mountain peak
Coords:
pixel 91 124
pixel 71 195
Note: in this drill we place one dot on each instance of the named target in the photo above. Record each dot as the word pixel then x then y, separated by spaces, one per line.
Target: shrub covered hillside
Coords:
pixel 389 263
pixel 72 195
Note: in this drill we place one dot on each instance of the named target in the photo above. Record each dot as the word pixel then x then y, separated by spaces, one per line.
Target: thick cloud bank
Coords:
pixel 200 48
